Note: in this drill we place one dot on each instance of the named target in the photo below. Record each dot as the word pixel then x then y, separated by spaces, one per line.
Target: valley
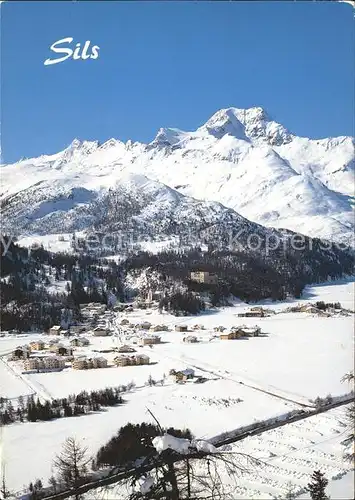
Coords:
pixel 246 380
pixel 204 279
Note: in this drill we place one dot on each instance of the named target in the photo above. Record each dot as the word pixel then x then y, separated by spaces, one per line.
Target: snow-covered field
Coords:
pixel 60 242
pixel 335 291
pixel 299 358
pixel 11 385
pixel 292 453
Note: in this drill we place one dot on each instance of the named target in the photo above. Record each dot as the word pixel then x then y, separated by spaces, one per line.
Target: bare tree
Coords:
pixel 71 463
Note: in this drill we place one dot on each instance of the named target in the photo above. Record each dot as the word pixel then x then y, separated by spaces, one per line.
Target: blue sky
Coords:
pixel 172 64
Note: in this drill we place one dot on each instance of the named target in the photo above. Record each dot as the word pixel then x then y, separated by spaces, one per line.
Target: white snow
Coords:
pixel 204 446
pixel 181 445
pixel 290 454
pixel 59 242
pixel 167 441
pixel 146 484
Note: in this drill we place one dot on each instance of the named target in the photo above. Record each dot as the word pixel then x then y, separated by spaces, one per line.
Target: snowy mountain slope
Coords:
pixel 135 204
pixel 240 158
pixel 136 210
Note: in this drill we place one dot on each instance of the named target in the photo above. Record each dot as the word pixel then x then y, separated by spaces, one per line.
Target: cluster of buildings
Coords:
pixel 256 312
pixel 53 346
pixel 95 321
pixel 138 359
pixel 237 332
pixel 85 363
pixel 44 363
pixel 143 325
pixel 310 309
pixel 44 356
pixel 185 328
pixel 92 310
pixel 41 357
pixel 57 330
pixel 326 312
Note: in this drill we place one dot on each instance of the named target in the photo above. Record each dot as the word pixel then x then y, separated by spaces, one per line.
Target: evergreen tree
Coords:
pixel 38 484
pixel 3 488
pixel 53 483
pixel 19 414
pixel 10 411
pixel 317 486
pixel 21 402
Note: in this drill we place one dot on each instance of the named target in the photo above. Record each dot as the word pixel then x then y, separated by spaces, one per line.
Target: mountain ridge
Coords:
pixel 240 158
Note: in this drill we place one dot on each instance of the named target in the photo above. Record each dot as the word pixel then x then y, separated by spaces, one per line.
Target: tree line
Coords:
pixel 26 303
pixel 33 410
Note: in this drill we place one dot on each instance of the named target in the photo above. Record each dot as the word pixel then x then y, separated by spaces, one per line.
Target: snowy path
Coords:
pixel 18 379
pixel 36 388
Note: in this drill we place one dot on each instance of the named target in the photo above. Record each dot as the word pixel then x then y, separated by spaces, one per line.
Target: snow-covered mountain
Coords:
pixel 134 207
pixel 240 158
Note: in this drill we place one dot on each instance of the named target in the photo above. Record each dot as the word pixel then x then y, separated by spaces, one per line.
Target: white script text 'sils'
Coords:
pixel 75 54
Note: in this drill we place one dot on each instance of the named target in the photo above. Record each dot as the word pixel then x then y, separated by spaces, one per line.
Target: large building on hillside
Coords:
pixel 204 277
